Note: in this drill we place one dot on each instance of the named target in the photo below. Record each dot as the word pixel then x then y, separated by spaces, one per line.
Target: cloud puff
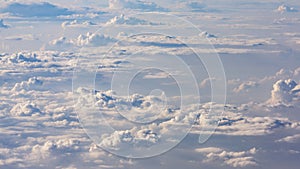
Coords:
pixel 234 122
pixel 61 43
pixel 21 57
pixel 283 93
pixel 25 109
pixel 234 159
pixel 134 137
pixel 157 75
pixel 290 139
pixel 284 8
pixel 135 4
pixel 207 82
pixel 124 20
pixel 76 23
pixel 2 25
pixel 140 107
pixel 91 39
pixel 31 84
pixel 245 87
pixel 63 146
pixel 44 9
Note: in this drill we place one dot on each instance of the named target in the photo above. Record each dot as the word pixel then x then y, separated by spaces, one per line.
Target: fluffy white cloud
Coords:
pixel 136 107
pixel 245 87
pixel 32 83
pixel 124 20
pixel 91 39
pixel 25 109
pixel 233 122
pixel 21 57
pixel 208 150
pixel 231 158
pixel 76 23
pixel 283 93
pixel 53 147
pixel 59 44
pixel 139 138
pixel 207 82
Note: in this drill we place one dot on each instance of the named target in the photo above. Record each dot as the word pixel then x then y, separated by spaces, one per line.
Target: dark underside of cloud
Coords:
pixel 35 10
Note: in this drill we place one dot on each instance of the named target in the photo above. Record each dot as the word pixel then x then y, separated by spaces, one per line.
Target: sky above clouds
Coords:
pixel 65 65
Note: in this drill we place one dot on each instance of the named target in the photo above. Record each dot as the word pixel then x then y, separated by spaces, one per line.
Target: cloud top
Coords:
pixel 284 92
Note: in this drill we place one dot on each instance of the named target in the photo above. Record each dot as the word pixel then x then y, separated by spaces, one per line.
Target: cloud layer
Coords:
pixel 135 4
pixel 44 9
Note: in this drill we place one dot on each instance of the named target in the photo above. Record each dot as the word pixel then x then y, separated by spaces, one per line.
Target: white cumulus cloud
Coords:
pixel 25 109
pixel 283 92
pixel 231 158
pixel 124 20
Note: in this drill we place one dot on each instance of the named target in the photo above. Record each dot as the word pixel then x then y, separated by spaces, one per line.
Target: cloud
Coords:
pixel 2 25
pixel 233 122
pixel 20 57
pixel 91 39
pixel 135 4
pixel 21 37
pixel 207 82
pixel 52 147
pixel 207 35
pixel 124 20
pixel 241 162
pixel 297 72
pixel 134 137
pixel 44 9
pixel 231 158
pixel 141 107
pixel 209 150
pixel 157 75
pixel 284 8
pixel 281 74
pixel 76 23
pixel 31 84
pixel 25 109
pixel 290 139
pixel 283 93
pixel 59 44
pixel 245 87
